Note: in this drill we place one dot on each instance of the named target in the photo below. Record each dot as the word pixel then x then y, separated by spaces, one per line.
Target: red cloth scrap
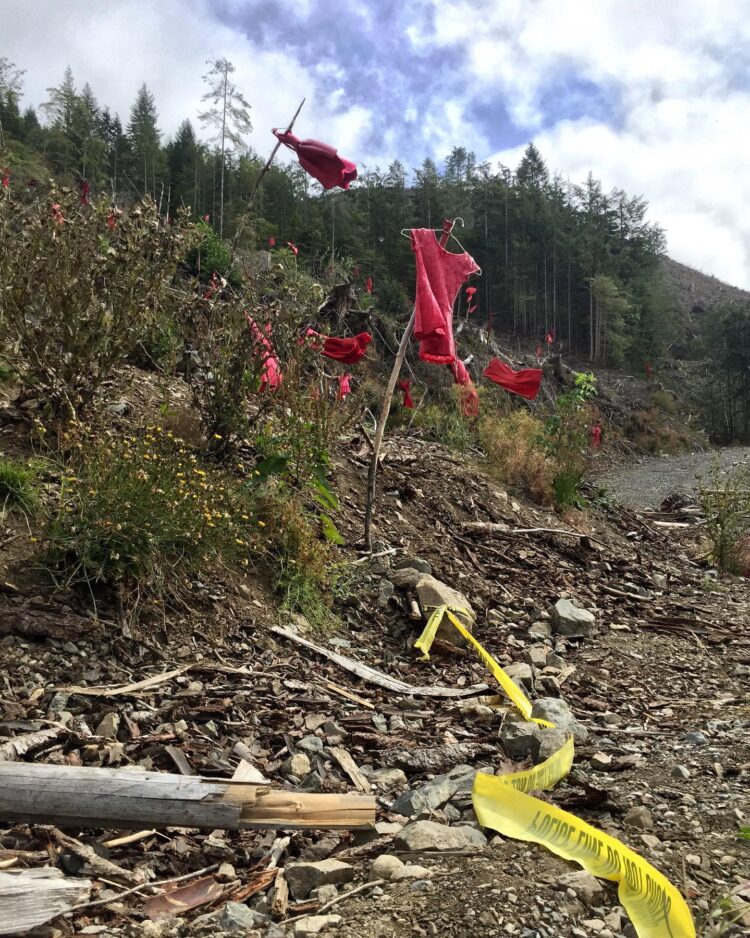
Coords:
pixel 349 350
pixel 405 386
pixel 271 376
pixel 469 395
pixel 525 382
pixel 320 160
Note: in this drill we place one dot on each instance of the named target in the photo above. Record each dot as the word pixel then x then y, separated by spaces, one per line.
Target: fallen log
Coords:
pixel 79 797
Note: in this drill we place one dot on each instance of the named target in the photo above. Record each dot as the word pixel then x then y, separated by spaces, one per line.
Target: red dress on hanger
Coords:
pixel 439 278
pixel 320 160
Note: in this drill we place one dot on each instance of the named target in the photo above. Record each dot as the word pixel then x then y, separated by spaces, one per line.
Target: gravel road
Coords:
pixel 647 483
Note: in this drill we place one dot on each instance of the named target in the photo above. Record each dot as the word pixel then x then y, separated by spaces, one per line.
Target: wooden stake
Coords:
pixel 79 797
pixel 256 187
pixel 386 409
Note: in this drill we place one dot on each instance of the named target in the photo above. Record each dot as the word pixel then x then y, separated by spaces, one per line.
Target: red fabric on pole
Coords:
pixel 320 160
pixel 439 278
pixel 469 396
pixel 405 386
pixel 368 284
pixel 525 382
pixel 596 436
pixel 349 350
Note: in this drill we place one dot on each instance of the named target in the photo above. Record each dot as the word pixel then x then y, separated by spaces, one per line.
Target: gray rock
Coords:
pixel 427 835
pixel 430 796
pixel 536 655
pixel 554 710
pixel 521 673
pixel 387 779
pixel 313 925
pixel 569 620
pixel 234 918
pixel 639 817
pixel 681 771
pixel 108 726
pixel 296 766
pixel 413 563
pixel 385 591
pixel 412 871
pixel 406 578
pixel 333 729
pixel 432 593
pixel 325 893
pixel 386 867
pixel 521 738
pixel 695 739
pixel 304 877
pixel 586 887
pixel 659 580
pixel 538 631
pixel 311 744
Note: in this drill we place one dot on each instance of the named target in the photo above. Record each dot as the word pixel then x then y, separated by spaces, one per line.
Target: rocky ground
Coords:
pixel 649 480
pixel 655 683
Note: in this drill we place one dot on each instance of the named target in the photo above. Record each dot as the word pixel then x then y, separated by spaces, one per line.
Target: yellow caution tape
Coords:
pixel 655 907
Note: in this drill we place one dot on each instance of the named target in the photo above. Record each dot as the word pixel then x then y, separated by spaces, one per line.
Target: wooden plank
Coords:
pixel 351 768
pixel 77 796
pixel 29 898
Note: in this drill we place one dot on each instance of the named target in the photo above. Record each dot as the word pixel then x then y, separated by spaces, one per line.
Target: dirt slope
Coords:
pixel 661 688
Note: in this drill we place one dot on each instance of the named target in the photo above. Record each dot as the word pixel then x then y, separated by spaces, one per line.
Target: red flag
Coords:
pixel 320 160
pixel 549 338
pixel 5 180
pixel 649 371
pixel 206 218
pixel 470 291
pixel 471 309
pixel 596 436
pixel 272 242
pixel 111 221
pixel 368 284
pixel 405 387
pixel 293 247
pixel 57 216
pixel 525 382
pixel 539 352
pixel 349 350
pixel 85 192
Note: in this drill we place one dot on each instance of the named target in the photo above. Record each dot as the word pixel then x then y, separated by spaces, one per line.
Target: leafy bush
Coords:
pixel 566 439
pixel 650 433
pixel 210 256
pixel 16 486
pixel 141 514
pixel 725 499
pixel 304 574
pixel 516 455
pixel 664 401
pixel 80 286
pixel 447 423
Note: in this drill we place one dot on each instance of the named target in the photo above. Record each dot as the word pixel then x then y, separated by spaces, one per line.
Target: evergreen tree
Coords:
pixel 229 116
pixel 60 110
pixel 146 157
pixel 11 82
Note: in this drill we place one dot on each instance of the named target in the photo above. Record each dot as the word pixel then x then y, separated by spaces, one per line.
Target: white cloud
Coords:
pixel 116 47
pixel 675 74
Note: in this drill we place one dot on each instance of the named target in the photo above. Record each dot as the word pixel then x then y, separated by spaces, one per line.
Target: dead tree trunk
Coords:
pixel 69 796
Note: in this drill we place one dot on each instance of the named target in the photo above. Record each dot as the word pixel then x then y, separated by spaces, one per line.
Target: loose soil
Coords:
pixel 664 679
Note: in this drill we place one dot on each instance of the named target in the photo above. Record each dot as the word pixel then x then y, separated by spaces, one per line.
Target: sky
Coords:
pixel 651 97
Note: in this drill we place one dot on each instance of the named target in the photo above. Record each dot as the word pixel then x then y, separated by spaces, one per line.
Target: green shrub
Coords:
pixel 515 453
pixel 16 486
pixel 80 286
pixel 664 401
pixel 140 513
pixel 305 576
pixel 447 423
pixel 566 439
pixel 210 255
pixel 725 499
